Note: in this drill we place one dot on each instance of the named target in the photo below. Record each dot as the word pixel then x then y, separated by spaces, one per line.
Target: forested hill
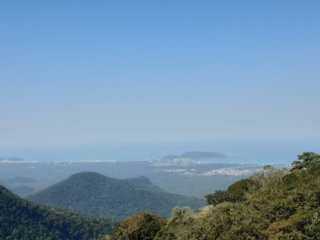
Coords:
pixel 273 204
pixel 98 195
pixel 23 220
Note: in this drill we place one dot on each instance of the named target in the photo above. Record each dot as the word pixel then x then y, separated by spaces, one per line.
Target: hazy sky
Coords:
pixel 79 72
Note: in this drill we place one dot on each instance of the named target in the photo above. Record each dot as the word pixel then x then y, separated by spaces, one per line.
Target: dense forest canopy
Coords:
pixel 21 219
pixel 271 204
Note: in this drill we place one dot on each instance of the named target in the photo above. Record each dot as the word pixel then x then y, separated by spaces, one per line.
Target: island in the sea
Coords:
pixel 195 155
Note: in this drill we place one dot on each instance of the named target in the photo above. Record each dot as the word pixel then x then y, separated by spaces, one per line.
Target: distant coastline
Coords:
pixel 236 151
pixel 195 155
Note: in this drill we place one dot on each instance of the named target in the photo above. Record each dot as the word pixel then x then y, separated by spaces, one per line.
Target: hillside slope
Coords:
pixel 98 195
pixel 272 204
pixel 21 219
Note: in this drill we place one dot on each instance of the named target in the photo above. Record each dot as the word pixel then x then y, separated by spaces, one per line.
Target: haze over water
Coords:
pixel 261 152
pixel 82 80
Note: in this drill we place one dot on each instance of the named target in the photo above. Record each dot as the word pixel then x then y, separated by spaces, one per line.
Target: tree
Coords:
pixel 304 160
pixel 235 193
pixel 142 225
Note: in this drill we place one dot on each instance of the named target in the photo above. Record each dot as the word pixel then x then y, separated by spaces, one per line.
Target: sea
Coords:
pixel 243 152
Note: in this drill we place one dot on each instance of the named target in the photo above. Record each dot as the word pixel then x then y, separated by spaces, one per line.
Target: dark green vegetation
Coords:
pixel 235 193
pixel 21 219
pixel 142 225
pixel 101 196
pixel 195 155
pixel 272 204
pixel 304 160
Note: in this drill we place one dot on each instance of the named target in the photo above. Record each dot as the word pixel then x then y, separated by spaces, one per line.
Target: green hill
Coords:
pixel 21 219
pixel 272 204
pixel 98 195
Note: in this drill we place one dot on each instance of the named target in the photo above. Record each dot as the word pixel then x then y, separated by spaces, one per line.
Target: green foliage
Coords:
pixel 98 195
pixel 179 212
pixel 304 160
pixel 142 225
pixel 235 193
pixel 21 219
pixel 272 204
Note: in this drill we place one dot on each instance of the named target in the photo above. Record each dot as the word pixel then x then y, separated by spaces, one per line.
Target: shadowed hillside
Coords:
pixel 21 219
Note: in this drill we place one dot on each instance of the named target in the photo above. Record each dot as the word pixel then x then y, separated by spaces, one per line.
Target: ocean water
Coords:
pixel 261 152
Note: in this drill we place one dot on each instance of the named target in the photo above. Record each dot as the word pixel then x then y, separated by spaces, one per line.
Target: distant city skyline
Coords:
pixel 104 72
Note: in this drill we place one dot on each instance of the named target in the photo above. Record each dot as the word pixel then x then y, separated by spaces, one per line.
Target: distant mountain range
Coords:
pixel 195 155
pixel 21 219
pixel 95 194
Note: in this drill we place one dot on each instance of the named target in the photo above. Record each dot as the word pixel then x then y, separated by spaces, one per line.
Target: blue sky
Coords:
pixel 94 72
